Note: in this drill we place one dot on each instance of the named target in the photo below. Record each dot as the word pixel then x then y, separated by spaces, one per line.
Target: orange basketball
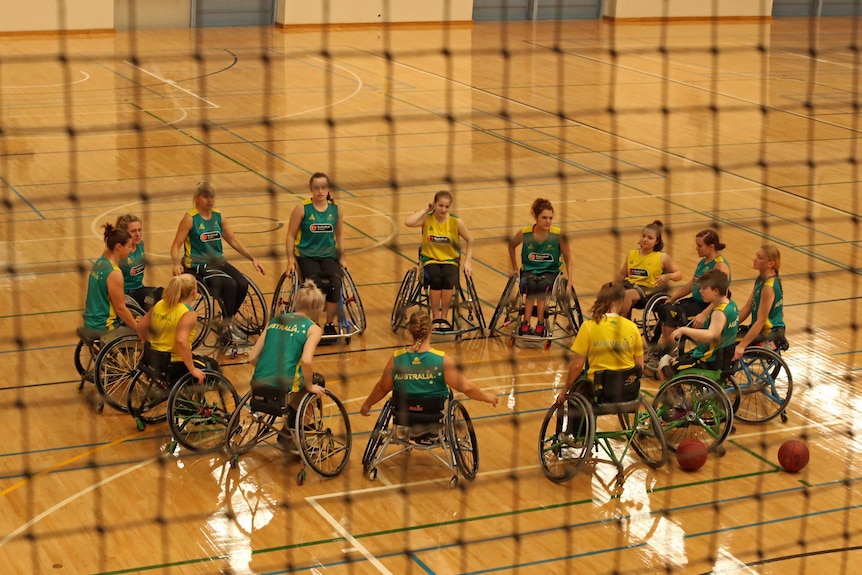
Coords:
pixel 691 454
pixel 793 455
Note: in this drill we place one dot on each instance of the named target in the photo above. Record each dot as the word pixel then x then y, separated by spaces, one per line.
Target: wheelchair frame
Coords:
pixel 466 309
pixel 251 319
pixel 198 413
pixel 351 314
pixel 320 432
pixel 563 316
pixel 453 432
pixel 562 454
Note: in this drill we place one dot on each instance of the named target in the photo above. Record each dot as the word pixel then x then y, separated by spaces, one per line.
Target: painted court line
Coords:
pixel 172 84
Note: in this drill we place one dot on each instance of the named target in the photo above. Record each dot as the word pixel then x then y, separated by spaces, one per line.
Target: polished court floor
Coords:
pixel 734 126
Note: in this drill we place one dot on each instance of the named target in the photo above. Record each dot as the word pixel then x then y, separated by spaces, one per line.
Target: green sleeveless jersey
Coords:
pixel 706 351
pixel 776 312
pixel 419 374
pixel 316 235
pixel 99 314
pixel 203 244
pixel 702 268
pixel 280 362
pixel 133 269
pixel 541 257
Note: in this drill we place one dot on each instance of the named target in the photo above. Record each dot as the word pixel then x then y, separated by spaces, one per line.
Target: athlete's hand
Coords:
pixel 199 375
pixel 178 270
pixel 257 266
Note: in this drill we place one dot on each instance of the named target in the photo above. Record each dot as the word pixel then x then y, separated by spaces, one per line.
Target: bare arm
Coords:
pixel 713 333
pixel 681 291
pixel 143 328
pixel 624 271
pixel 381 388
pixel 314 333
pixel 468 249
pixel 767 298
pixel 417 218
pixel 184 332
pixel 179 239
pixel 339 239
pixel 236 244
pixel 456 379
pixel 514 243
pixel 566 252
pixel 576 368
pixel 289 240
pixel 118 299
pixel 254 354
pixel 671 273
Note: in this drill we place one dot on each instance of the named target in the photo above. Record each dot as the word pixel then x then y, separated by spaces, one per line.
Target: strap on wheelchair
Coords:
pixel 412 410
pixel 269 399
pixel 618 386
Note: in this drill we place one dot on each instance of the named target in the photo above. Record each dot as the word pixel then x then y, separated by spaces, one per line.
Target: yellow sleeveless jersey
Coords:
pixel 440 242
pixel 643 270
pixel 163 327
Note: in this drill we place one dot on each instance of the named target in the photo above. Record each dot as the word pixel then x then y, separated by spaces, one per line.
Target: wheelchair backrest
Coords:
pixel 413 410
pixel 618 386
pixel 269 399
pixel 155 364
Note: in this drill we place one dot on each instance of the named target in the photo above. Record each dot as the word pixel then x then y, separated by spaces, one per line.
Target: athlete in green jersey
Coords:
pixel 765 305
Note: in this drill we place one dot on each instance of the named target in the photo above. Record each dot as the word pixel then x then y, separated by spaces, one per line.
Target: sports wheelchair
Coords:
pixel 198 413
pixel 351 315
pixel 650 322
pixel 424 424
pixel 319 429
pixel 250 320
pixel 466 308
pixel 90 343
pixel 114 366
pixel 570 433
pixel 763 383
pixel 563 315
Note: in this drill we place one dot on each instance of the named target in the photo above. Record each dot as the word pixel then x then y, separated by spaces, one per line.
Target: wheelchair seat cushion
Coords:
pixel 156 364
pixel 413 410
pixel 269 399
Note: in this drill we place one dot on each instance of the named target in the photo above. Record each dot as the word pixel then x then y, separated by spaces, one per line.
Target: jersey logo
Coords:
pixel 211 236
pixel 200 226
pixel 137 270
pixel 638 273
pixel 321 228
pixel 438 239
pixel 538 257
pixel 311 217
pixel 416 361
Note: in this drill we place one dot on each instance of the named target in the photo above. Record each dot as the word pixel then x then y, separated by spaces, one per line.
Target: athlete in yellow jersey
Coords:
pixel 648 269
pixel 441 253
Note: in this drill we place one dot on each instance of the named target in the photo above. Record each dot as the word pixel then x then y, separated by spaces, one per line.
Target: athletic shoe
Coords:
pixel 524 329
pixel 540 330
pixel 330 329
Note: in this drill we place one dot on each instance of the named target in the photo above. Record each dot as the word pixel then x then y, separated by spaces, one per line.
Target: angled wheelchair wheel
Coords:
pixel 247 428
pixel 354 313
pixel 566 438
pixel 694 406
pixel 114 368
pixel 147 399
pixel 568 304
pixel 402 300
pixel 377 438
pixel 765 385
pixel 282 299
pixel 462 439
pixel 474 305
pixel 199 413
pixel 204 307
pixel 83 358
pixel 323 429
pixel 648 439
pixel 252 314
pixel 650 322
pixel 508 306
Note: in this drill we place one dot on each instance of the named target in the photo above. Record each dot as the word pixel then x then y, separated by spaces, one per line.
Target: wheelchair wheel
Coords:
pixel 765 385
pixel 509 304
pixel 147 399
pixel 282 299
pixel 694 406
pixel 199 413
pixel 83 358
pixel 462 439
pixel 354 313
pixel 203 307
pixel 475 305
pixel 648 440
pixel 323 429
pixel 247 428
pixel 568 304
pixel 114 368
pixel 566 438
pixel 252 314
pixel 399 309
pixel 376 439
pixel 651 323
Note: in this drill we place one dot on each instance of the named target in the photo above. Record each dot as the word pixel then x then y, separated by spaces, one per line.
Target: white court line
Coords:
pixel 84 79
pixel 70 499
pixel 171 83
pixel 357 546
pixel 359 86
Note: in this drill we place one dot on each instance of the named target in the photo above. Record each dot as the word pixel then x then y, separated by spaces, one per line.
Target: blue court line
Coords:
pixel 6 183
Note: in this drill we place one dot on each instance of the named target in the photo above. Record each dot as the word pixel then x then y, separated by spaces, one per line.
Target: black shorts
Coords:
pixel 440 276
pixel 537 283
pixel 677 314
pixel 326 273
